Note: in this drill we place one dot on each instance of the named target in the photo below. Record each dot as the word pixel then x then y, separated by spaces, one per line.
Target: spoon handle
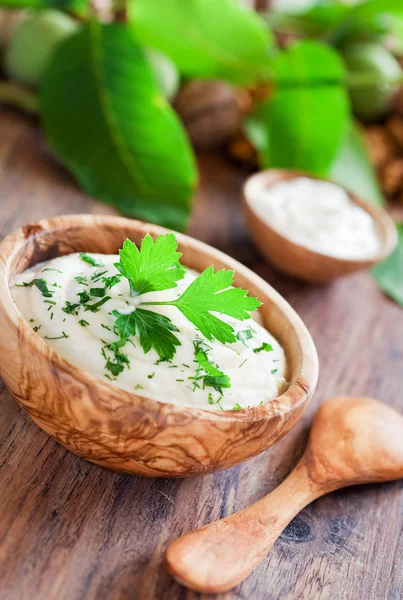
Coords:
pixel 218 556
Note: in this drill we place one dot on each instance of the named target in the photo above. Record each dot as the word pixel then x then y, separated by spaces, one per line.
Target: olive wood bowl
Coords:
pixel 125 431
pixel 297 260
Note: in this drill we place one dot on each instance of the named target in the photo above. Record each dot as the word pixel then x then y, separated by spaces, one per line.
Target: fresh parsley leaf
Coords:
pixel 154 267
pixel 155 331
pixel 211 292
pixel 264 347
pixel 90 260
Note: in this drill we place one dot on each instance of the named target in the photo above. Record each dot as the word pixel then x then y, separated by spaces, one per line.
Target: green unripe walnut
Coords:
pixel 379 72
pixel 165 72
pixel 33 43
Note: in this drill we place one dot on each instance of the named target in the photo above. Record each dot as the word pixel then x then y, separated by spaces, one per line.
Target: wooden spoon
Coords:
pixel 297 260
pixel 352 441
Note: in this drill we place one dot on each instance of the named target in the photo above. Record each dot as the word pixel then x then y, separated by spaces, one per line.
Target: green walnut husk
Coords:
pixel 33 43
pixel 379 72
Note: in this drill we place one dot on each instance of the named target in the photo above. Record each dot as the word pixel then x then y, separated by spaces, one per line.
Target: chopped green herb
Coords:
pixel 244 335
pixel 110 378
pixel 90 260
pixel 98 292
pixel 242 364
pixel 210 398
pixel 274 371
pixel 180 380
pixel 31 320
pixel 50 302
pixel 151 375
pixel 70 309
pixel 59 337
pixel 81 279
pixel 237 407
pixel 106 327
pixel 83 323
pixel 84 297
pixel 98 275
pixel 37 328
pixel 264 347
pixel 212 376
pixel 95 307
pixel 50 269
pixel 138 387
pixel 118 365
pixel 41 284
pixel 111 281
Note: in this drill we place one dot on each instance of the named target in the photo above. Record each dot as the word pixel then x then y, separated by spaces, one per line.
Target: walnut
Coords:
pixel 241 151
pixel 398 101
pixel 210 112
pixel 391 176
pixel 395 126
pixel 381 147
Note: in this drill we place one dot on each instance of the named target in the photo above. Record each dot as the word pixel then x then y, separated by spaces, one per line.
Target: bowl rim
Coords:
pixel 389 236
pixel 297 392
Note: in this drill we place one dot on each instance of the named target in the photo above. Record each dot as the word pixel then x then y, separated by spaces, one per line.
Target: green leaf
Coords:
pixel 80 8
pixel 377 15
pixel 209 293
pixel 300 128
pixel 303 124
pixel 205 38
pixel 154 267
pixel 389 274
pixel 307 63
pixel 353 169
pixel 155 331
pixel 319 21
pixel 110 126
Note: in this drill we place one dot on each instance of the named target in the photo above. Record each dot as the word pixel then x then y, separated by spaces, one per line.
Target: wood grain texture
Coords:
pixel 70 530
pixel 353 440
pixel 122 430
pixel 301 262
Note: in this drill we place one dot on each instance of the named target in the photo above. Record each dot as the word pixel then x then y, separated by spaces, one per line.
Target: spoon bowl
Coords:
pixel 126 431
pixel 352 441
pixel 297 260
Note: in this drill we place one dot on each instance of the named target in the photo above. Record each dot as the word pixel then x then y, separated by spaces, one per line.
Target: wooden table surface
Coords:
pixel 70 530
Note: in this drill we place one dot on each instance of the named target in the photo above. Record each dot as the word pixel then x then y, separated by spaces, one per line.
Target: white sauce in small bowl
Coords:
pixel 320 216
pixel 256 376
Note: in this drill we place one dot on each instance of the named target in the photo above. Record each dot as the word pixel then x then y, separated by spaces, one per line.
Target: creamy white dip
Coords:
pixel 256 374
pixel 320 216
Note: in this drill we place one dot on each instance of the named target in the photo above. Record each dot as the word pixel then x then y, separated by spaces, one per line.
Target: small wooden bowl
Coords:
pixel 297 260
pixel 118 429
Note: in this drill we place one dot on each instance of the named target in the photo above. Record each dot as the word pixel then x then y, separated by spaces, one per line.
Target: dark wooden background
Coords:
pixel 72 531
